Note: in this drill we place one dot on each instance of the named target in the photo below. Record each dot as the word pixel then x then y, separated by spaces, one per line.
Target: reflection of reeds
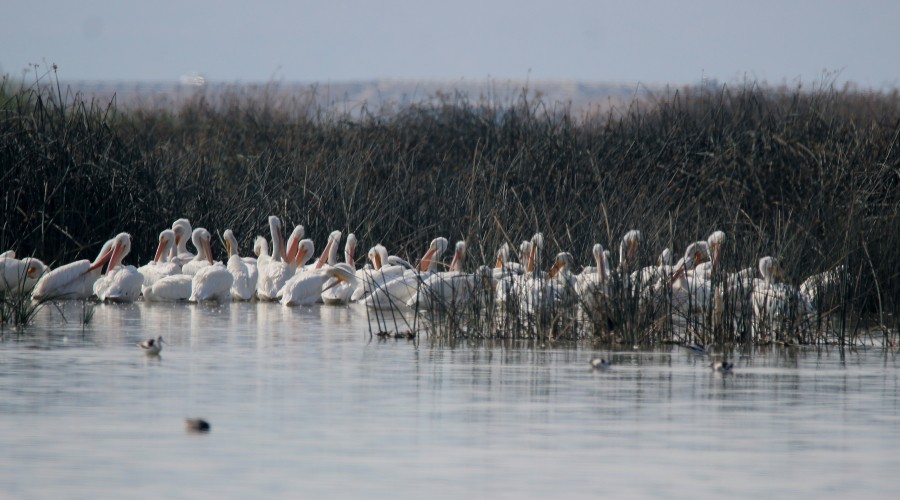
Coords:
pixel 811 177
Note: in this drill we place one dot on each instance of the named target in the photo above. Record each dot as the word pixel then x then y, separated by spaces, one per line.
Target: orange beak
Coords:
pixel 377 261
pixel 324 256
pixel 426 259
pixel 159 249
pixel 208 250
pixel 554 270
pixel 114 258
pixel 291 254
pixel 499 263
pixel 531 254
pixel 299 255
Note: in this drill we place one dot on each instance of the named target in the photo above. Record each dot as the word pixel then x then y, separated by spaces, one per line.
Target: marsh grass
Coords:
pixel 810 177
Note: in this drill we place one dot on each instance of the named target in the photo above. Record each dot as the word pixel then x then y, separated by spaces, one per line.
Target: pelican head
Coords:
pixel 601 257
pixel 665 258
pixel 435 250
pixel 34 268
pixel 459 256
pixel 275 229
pixel 182 229
pixel 770 269
pixel 305 250
pixel 629 247
pixel 715 241
pixel 378 256
pixel 563 262
pixel 166 244
pixel 231 243
pixel 330 253
pixel 120 248
pixel 200 238
pixel 260 246
pixel 502 255
pixel 350 249
pixel 290 252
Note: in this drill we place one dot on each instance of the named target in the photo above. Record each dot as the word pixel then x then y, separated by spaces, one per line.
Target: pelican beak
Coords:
pixel 554 270
pixel 228 248
pixel 299 255
pixel 678 272
pixel 349 256
pixel 499 263
pixel 31 271
pixel 208 251
pixel 114 258
pixel 291 254
pixel 159 250
pixel 454 261
pixel 715 256
pixel 426 259
pixel 377 261
pixel 100 260
pixel 324 256
pixel 531 255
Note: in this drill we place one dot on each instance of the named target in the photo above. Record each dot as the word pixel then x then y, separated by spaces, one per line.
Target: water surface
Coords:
pixel 303 403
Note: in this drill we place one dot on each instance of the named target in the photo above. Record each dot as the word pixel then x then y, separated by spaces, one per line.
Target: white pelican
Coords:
pixel 707 269
pixel 329 255
pixel 74 280
pixel 542 294
pixel 341 291
pixel 777 307
pixel 179 254
pixel 648 276
pixel 169 289
pixel 381 269
pixel 200 238
pixel 160 267
pixel 275 271
pixel 451 289
pixel 243 271
pixel 19 276
pixel 688 293
pixel 305 250
pixel 400 289
pixel 592 284
pixel 818 287
pixel 212 281
pixel 305 288
pixel 121 283
pixel 628 250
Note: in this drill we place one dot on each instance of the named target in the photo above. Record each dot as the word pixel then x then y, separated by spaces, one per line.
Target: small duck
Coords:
pixel 722 366
pixel 152 347
pixel 196 425
pixel 599 363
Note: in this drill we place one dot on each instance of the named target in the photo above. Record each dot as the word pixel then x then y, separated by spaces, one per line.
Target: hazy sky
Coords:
pixel 651 41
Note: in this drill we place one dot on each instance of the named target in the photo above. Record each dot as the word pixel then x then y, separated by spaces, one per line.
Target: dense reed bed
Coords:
pixel 811 177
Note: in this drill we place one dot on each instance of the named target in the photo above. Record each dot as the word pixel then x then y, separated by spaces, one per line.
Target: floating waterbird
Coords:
pixel 722 366
pixel 152 347
pixel 196 425
pixel 599 363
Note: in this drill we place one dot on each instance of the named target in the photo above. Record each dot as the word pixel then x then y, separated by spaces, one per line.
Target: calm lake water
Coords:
pixel 303 404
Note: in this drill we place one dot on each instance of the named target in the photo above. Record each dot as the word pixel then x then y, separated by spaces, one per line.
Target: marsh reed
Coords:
pixel 811 177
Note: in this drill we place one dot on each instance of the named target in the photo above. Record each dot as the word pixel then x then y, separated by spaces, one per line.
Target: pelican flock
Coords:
pixel 286 272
